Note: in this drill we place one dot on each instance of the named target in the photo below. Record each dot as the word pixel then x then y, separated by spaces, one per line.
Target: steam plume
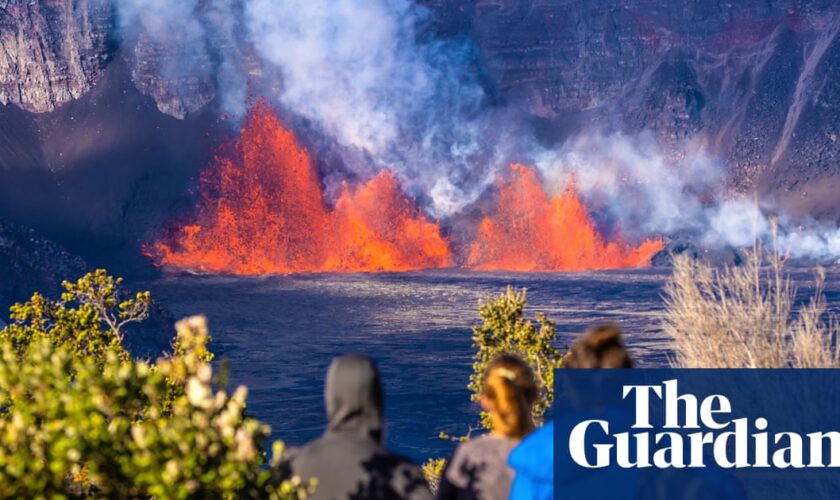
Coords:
pixel 368 75
pixel 357 68
pixel 631 180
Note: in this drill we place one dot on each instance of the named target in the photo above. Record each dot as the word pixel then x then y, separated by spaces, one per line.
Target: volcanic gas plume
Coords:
pixel 532 231
pixel 262 211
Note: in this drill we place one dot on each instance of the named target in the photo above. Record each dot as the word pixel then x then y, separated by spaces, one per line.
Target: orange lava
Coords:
pixel 377 228
pixel 262 211
pixel 532 231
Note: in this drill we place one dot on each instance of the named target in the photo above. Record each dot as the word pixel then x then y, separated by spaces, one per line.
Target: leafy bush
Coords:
pixel 505 330
pixel 743 317
pixel 88 319
pixel 432 471
pixel 78 417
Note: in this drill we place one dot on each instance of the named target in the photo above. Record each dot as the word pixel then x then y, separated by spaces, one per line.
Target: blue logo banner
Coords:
pixel 697 434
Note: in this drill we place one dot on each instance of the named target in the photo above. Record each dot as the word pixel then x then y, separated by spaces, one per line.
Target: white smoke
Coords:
pixel 392 96
pixel 356 68
pixel 346 63
pixel 631 179
pixel 814 243
pixel 231 78
pixel 160 18
pixel 197 41
pixel 740 222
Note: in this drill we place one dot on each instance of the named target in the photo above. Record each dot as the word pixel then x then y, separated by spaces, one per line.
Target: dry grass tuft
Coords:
pixel 742 317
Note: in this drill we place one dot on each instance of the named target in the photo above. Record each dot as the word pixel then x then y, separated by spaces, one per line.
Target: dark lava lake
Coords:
pixel 279 334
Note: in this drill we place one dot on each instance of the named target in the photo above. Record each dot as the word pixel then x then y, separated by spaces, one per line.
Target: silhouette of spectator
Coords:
pixel 349 460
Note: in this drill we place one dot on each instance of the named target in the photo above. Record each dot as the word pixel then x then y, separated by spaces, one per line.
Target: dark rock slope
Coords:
pixel 30 263
pixel 758 83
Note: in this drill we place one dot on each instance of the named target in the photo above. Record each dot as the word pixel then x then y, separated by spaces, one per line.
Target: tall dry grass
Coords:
pixel 743 317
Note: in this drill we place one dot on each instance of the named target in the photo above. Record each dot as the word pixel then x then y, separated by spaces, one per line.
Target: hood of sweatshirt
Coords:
pixel 353 396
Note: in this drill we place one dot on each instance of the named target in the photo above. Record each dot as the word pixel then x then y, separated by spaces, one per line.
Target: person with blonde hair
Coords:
pixel 478 468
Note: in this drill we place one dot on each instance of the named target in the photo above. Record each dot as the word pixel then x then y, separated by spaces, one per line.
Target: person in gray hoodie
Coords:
pixel 349 459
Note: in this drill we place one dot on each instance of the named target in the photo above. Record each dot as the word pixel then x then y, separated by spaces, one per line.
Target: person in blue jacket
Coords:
pixel 536 468
pixel 533 459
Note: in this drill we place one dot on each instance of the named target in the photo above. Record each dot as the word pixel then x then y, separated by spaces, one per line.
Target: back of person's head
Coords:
pixel 509 393
pixel 349 459
pixel 353 396
pixel 599 347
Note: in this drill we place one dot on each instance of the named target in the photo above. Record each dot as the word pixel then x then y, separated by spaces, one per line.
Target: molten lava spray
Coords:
pixel 532 231
pixel 379 228
pixel 262 211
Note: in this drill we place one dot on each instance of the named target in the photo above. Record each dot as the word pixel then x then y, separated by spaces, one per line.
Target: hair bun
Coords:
pixel 600 347
pixel 603 336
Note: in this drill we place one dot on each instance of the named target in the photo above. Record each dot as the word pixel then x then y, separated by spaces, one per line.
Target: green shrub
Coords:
pixel 88 319
pixel 432 471
pixel 505 330
pixel 78 417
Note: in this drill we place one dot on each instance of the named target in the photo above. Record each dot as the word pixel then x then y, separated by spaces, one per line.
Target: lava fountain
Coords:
pixel 532 231
pixel 262 211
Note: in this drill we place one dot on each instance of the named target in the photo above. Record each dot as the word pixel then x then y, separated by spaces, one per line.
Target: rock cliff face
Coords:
pixel 55 51
pixel 51 51
pixel 176 93
pixel 189 57
pixel 753 79
pixel 756 82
